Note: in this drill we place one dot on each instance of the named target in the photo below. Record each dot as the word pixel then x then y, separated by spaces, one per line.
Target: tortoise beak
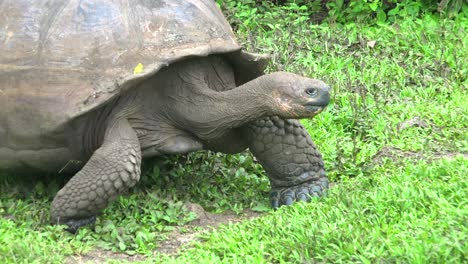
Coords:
pixel 314 109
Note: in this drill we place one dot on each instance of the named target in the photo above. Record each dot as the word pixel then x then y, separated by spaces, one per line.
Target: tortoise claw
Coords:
pixel 75 224
pixel 303 192
pixel 274 198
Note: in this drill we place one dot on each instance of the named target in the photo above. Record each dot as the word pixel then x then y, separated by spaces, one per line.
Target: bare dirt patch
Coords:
pixel 413 122
pixel 396 153
pixel 205 220
pixel 176 240
pixel 101 256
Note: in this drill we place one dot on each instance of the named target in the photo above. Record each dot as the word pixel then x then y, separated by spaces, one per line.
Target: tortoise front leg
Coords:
pixel 290 158
pixel 111 170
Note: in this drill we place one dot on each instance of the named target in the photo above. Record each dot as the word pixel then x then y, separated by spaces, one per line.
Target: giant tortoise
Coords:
pixel 105 84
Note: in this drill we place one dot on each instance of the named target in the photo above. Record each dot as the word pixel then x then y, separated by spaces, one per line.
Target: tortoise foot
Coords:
pixel 280 196
pixel 75 224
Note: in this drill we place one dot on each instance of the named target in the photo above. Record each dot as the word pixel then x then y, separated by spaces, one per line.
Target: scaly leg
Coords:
pixel 111 170
pixel 290 158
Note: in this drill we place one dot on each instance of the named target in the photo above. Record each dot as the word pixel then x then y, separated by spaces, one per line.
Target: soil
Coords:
pixel 102 256
pixel 395 153
pixel 176 240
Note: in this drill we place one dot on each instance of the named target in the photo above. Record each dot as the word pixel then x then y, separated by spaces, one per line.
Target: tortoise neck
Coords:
pixel 210 114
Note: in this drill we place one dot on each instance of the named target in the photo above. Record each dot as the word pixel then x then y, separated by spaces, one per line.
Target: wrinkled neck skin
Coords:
pixel 188 105
pixel 208 114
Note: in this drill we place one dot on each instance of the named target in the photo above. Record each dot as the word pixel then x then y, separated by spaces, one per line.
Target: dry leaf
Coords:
pixel 371 43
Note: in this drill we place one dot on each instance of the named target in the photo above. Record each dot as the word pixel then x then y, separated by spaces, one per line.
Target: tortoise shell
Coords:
pixel 62 59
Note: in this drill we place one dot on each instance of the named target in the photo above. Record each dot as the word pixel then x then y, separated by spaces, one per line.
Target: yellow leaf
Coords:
pixel 138 69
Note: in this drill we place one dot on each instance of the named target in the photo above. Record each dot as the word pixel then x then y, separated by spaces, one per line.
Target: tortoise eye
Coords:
pixel 311 91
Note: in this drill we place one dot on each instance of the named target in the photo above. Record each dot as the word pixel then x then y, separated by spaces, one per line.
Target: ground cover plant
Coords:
pixel 393 139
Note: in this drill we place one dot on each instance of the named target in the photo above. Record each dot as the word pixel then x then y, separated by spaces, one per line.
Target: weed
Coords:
pixel 390 140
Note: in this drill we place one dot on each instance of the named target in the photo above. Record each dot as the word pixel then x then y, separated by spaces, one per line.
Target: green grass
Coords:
pixel 408 207
pixel 417 213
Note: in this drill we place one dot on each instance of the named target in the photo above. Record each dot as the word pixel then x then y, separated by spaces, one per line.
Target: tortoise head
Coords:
pixel 299 97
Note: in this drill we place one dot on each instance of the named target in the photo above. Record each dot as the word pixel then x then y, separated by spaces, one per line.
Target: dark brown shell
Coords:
pixel 60 59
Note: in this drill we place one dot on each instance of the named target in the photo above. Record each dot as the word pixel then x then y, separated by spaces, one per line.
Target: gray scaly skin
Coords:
pixel 111 170
pixel 193 105
pixel 290 158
